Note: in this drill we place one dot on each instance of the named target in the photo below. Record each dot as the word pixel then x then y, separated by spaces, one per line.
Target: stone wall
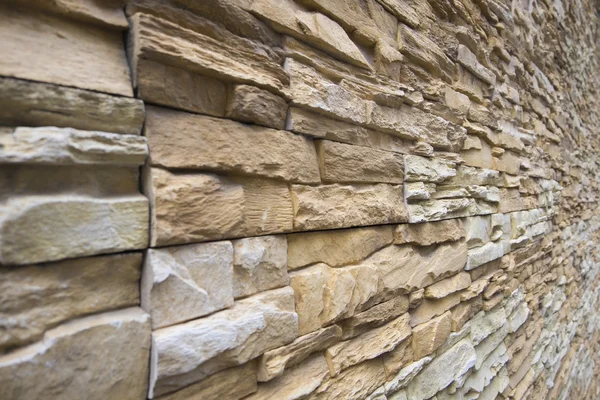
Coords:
pixel 309 199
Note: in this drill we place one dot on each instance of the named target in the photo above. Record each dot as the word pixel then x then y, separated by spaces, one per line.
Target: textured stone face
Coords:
pixel 250 104
pixel 111 346
pixel 185 282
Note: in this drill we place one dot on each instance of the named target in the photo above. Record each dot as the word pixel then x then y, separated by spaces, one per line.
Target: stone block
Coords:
pixel 91 355
pixel 423 169
pixel 259 264
pixel 188 141
pixel 427 337
pixel 181 283
pixel 257 106
pixel 429 233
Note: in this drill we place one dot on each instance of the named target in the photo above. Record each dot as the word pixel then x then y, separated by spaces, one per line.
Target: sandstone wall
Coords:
pixel 309 199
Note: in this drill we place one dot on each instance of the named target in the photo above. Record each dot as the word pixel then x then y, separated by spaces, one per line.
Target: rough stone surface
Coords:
pixel 341 206
pixel 257 106
pixel 429 336
pixel 110 346
pixel 181 283
pixel 429 233
pixel 336 248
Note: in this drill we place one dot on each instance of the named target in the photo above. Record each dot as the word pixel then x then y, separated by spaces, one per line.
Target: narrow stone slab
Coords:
pixel 430 232
pixel 340 162
pixel 187 208
pixel 36 298
pixel 336 248
pixel 337 206
pixel 38 228
pixel 108 346
pixel 63 52
pixel 183 140
pixel 29 103
pixel 67 146
pixel 189 352
pixel 181 283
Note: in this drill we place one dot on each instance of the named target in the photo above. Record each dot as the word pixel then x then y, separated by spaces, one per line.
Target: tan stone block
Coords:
pixel 431 308
pixel 395 360
pixel 401 10
pixel 29 103
pixel 257 106
pixel 340 162
pixel 181 283
pixel 232 383
pixel 430 232
pixel 198 207
pixel 296 383
pixel 441 289
pixel 273 362
pixel 224 339
pixel 73 226
pixel 337 247
pixel 161 40
pixel 353 383
pixel 423 169
pixel 59 51
pixel 369 345
pixel 36 298
pixel 183 140
pixel 103 349
pixel 259 264
pixel 406 268
pixel 108 14
pixel 67 146
pixel 179 88
pixel 343 206
pixel 469 61
pixel 430 335
pixel 374 316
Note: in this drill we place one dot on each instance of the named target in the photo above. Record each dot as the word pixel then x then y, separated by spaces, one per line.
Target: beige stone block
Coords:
pixel 464 311
pixel 423 169
pixel 315 28
pixel 273 362
pixel 67 146
pixel 181 283
pixel 403 11
pixel 430 335
pixel 337 247
pixel 39 228
pixel 374 316
pixel 340 162
pixel 406 268
pixel 296 383
pixel 103 356
pixel 186 353
pixel 232 383
pixel 469 61
pixel 29 103
pixel 369 345
pixel 343 206
pixel 257 106
pixel 198 207
pixel 183 140
pixel 179 88
pixel 441 289
pixel 259 264
pixel 478 230
pixel 356 382
pixel 56 50
pixel 36 298
pixel 108 14
pixel 429 233
pixel 161 40
pixel 431 308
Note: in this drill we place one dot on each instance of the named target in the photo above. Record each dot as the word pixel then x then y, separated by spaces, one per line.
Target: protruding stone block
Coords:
pixel 257 106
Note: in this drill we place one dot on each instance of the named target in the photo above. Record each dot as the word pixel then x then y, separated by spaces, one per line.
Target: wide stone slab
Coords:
pixel 36 298
pixel 29 103
pixel 41 47
pixel 104 356
pixel 67 146
pixel 187 208
pixel 181 283
pixel 344 206
pixel 189 352
pixel 188 141
pixel 336 248
pixel 38 228
pixel 340 162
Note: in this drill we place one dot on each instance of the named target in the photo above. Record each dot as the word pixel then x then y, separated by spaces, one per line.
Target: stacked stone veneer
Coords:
pixel 311 199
